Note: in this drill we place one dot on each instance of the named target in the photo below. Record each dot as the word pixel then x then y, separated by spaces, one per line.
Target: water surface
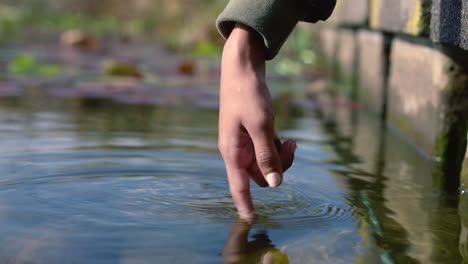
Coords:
pixel 85 178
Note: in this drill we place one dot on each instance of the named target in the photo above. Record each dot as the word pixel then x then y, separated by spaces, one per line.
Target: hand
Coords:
pixel 247 139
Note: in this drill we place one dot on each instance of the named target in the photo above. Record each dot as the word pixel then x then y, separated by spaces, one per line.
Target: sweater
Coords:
pixel 273 20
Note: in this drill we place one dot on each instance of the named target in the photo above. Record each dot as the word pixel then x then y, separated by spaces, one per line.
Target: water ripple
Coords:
pixel 293 206
pixel 155 185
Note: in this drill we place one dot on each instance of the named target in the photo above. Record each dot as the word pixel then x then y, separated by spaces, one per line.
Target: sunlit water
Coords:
pixel 95 181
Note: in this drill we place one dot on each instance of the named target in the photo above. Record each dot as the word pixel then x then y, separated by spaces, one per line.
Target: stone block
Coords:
pixel 372 59
pixel 418 79
pixel 347 51
pixel 407 16
pixel 350 12
pixel 328 39
pixel 449 23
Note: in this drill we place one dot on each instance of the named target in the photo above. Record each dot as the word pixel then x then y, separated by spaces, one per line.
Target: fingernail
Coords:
pixel 293 146
pixel 273 179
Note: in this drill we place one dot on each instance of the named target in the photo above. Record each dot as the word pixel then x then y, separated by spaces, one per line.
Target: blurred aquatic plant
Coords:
pixel 62 21
pixel 26 64
pixel 118 68
pixel 297 54
pixel 207 48
pixel 10 20
pixel 186 26
pixel 287 66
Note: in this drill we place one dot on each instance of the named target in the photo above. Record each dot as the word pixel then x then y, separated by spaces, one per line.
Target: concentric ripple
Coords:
pixel 157 185
pixel 294 206
pixel 98 186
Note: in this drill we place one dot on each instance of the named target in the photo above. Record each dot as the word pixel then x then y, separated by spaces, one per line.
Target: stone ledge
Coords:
pixel 418 78
pixel 351 12
pixel 347 52
pixel 328 42
pixel 372 69
pixel 406 16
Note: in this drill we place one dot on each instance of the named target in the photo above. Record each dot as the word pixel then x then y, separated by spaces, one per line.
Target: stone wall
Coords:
pixel 410 61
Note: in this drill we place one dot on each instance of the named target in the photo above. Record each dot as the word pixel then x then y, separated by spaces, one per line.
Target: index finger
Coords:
pixel 239 186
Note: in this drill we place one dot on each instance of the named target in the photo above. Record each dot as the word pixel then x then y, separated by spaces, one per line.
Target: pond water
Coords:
pixel 92 180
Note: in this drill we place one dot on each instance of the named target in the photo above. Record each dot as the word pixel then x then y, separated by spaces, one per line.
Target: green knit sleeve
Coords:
pixel 318 10
pixel 272 19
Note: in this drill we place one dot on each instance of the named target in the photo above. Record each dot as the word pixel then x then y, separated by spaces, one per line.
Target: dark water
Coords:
pixel 89 180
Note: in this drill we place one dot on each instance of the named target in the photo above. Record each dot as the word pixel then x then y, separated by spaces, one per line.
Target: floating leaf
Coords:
pixel 49 70
pixel 23 64
pixel 79 39
pixel 116 68
pixel 187 67
pixel 27 65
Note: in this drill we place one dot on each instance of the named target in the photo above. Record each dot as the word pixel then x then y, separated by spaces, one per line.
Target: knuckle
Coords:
pixel 239 191
pixel 260 122
pixel 228 152
pixel 264 158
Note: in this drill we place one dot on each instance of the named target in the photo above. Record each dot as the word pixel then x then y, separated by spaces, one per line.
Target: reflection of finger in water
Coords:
pixel 274 256
pixel 239 249
pixel 463 212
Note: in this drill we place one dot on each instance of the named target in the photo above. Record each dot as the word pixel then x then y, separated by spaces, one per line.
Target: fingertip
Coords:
pixel 293 145
pixel 274 179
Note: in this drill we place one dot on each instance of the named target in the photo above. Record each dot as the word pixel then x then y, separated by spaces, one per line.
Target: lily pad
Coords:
pixel 116 68
pixel 27 65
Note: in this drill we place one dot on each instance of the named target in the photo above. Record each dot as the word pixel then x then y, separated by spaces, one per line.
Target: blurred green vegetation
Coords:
pixel 298 53
pixel 26 64
pixel 182 26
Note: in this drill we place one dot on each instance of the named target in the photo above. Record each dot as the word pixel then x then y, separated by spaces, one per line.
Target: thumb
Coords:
pixel 268 159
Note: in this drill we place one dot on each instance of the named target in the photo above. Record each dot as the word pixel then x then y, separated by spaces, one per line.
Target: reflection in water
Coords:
pixel 239 250
pixel 367 185
pixel 463 211
pixel 410 217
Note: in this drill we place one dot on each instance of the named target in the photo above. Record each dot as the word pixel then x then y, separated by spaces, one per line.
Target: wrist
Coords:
pixel 245 44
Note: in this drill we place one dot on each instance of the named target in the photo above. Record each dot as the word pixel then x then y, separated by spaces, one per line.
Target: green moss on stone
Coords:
pixel 425 25
pixel 464 174
pixel 452 141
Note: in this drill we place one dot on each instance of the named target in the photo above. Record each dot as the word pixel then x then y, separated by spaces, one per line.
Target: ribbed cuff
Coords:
pixel 274 20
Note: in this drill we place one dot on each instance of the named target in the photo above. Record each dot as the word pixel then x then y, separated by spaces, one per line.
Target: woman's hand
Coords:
pixel 247 139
